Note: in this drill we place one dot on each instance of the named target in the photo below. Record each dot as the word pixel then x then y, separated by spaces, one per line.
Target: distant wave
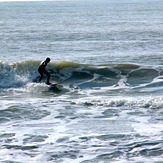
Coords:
pixel 83 75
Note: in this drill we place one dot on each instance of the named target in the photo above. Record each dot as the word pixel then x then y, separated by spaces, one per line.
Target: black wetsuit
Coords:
pixel 42 71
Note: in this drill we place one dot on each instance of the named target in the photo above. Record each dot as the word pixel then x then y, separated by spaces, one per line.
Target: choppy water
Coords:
pixel 108 56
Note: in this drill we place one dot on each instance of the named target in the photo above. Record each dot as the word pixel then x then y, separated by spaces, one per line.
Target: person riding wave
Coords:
pixel 42 70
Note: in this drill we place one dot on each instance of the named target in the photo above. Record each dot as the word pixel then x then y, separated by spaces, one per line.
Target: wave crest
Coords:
pixel 83 75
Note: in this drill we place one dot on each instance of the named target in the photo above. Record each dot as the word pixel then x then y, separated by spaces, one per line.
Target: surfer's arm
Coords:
pixel 42 65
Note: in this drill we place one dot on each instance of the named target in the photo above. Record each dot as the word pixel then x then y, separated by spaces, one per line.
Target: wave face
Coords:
pixel 84 76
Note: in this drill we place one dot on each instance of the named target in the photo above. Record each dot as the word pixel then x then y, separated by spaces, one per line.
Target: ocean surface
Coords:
pixel 107 57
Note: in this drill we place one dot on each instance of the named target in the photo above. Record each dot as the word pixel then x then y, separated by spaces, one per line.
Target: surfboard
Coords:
pixel 55 87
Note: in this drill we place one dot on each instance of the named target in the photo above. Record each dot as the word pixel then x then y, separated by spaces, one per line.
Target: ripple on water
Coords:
pixel 25 112
pixel 34 139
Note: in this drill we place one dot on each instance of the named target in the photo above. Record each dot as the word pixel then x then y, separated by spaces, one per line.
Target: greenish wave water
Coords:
pixel 83 75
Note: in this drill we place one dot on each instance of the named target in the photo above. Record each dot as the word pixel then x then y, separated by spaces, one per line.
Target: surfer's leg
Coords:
pixel 48 77
pixel 41 76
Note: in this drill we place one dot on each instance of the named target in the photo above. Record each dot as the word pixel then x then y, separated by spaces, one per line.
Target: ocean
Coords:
pixel 108 58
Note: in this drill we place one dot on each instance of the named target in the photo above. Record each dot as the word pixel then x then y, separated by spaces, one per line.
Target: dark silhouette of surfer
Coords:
pixel 42 70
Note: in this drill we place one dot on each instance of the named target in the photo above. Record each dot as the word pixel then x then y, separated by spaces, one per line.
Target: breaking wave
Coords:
pixel 84 76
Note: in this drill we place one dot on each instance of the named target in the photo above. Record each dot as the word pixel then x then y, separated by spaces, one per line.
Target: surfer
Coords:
pixel 42 70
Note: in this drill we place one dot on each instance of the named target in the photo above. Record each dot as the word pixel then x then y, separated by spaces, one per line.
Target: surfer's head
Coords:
pixel 47 59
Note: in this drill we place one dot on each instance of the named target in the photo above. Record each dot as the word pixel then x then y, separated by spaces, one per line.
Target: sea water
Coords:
pixel 108 56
